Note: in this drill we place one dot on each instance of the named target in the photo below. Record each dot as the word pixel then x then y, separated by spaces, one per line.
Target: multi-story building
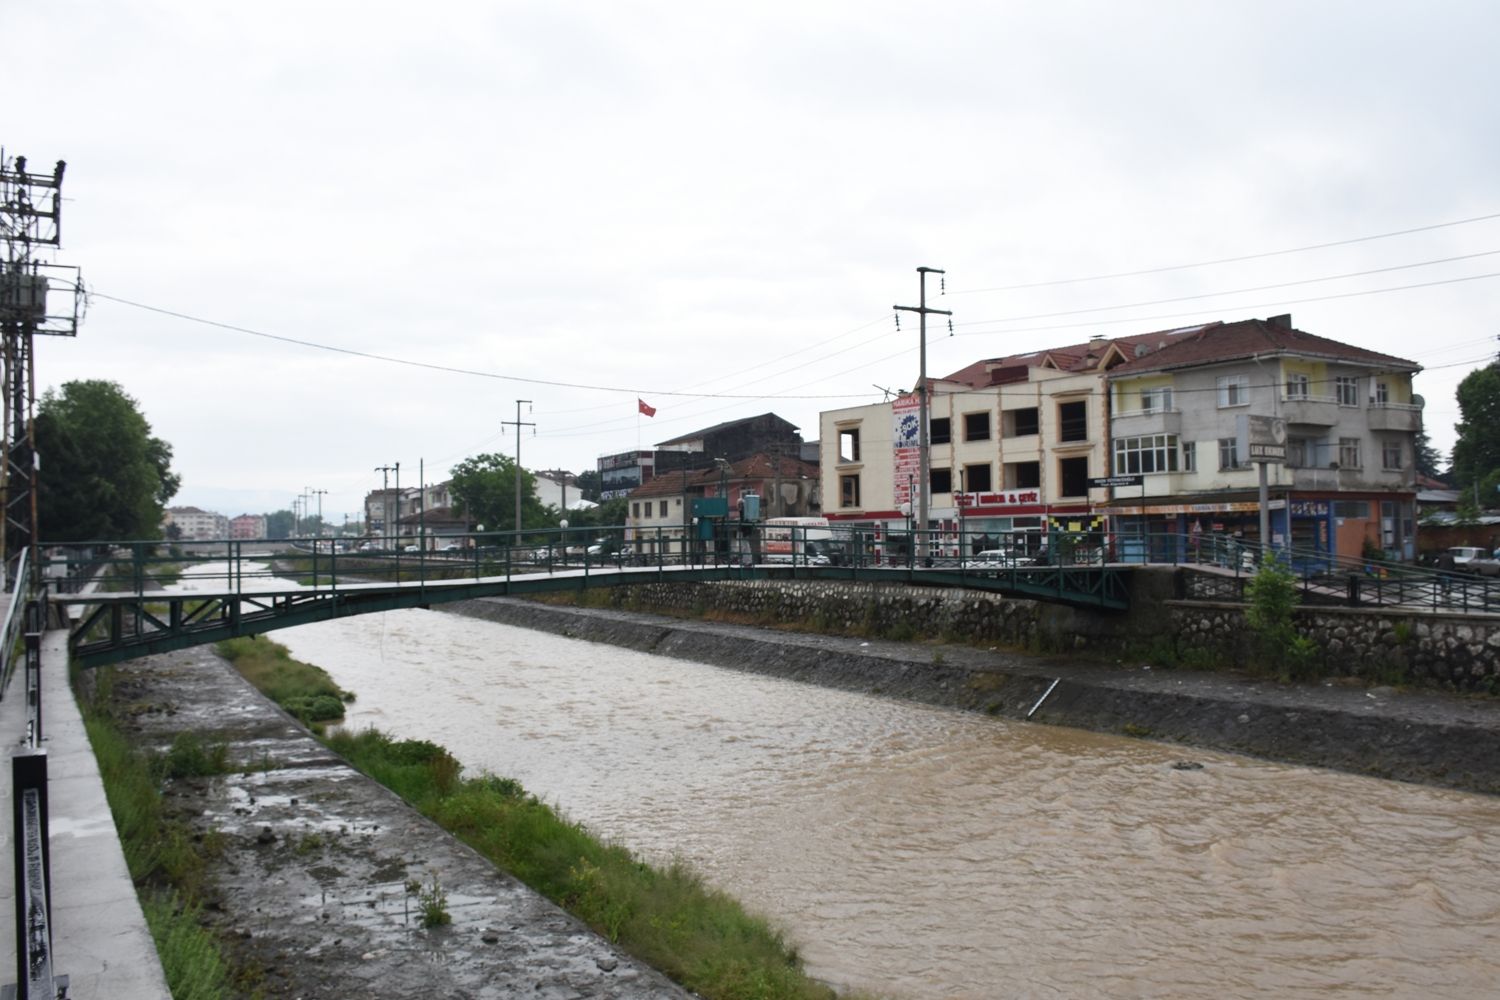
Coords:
pixel 1023 443
pixel 1348 482
pixel 193 524
pixel 732 440
pixel 1014 443
pixel 247 526
pixel 660 516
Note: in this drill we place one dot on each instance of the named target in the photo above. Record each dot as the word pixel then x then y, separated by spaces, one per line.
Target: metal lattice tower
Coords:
pixel 30 223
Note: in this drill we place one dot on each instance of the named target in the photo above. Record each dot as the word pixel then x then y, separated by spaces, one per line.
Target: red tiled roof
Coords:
pixel 1254 338
pixel 1071 357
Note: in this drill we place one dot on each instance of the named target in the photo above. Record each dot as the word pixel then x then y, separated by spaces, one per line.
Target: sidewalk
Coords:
pixel 99 935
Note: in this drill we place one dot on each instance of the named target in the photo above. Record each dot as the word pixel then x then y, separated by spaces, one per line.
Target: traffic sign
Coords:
pixel 1102 481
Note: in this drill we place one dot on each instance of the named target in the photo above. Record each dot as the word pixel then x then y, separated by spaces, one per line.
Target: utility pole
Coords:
pixel 385 505
pixel 319 495
pixel 923 403
pixel 30 216
pixel 518 423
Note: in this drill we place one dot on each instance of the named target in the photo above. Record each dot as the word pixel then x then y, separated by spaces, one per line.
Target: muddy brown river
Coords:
pixel 918 852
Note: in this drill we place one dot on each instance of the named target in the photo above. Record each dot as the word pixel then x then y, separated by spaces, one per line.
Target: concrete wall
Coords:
pixel 1457 651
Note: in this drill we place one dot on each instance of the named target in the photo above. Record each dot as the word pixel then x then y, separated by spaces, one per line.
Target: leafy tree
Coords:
pixel 103 475
pixel 484 491
pixel 590 484
pixel 1476 454
pixel 279 524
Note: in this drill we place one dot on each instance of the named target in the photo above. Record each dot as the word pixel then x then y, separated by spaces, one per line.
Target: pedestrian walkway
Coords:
pixel 99 935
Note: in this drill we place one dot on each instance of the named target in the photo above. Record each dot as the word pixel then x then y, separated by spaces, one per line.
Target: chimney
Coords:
pixel 1284 321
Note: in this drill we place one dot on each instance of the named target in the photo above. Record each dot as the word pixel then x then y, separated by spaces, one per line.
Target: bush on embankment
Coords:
pixel 701 938
pixel 301 689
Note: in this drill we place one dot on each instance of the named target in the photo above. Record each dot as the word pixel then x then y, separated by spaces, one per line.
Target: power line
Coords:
pixel 442 368
pixel 1227 260
pixel 1240 308
pixel 1234 291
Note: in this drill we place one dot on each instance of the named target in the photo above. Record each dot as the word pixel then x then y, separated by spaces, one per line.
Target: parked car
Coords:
pixel 1473 559
pixel 1000 559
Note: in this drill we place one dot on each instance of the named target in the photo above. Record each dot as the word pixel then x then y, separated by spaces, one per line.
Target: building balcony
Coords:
pixel 1319 411
pixel 1134 423
pixel 1395 417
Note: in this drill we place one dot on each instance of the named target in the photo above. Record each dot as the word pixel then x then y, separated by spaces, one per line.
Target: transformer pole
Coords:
pixel 924 458
pixel 30 216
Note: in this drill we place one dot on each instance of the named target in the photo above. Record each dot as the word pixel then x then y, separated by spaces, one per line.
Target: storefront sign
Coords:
pixel 1245 507
pixel 1009 498
pixel 1101 482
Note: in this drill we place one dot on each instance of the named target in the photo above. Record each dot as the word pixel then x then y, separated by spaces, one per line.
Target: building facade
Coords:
pixel 194 524
pixel 247 526
pixel 1349 418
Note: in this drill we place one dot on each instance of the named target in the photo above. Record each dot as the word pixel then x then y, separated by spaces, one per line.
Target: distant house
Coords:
pixel 194 524
pixel 732 441
pixel 247 526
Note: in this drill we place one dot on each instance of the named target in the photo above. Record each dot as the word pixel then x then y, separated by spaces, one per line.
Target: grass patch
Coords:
pixel 701 938
pixel 301 689
pixel 167 861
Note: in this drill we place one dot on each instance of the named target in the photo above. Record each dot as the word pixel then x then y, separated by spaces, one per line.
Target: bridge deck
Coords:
pixel 118 626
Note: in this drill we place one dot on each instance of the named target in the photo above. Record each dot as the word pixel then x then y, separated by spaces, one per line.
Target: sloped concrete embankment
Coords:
pixel 1427 738
pixel 315 864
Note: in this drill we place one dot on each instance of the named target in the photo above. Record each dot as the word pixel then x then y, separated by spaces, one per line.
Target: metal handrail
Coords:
pixel 14 616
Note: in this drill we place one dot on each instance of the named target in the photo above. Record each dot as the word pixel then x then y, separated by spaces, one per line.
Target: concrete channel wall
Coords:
pixel 1456 651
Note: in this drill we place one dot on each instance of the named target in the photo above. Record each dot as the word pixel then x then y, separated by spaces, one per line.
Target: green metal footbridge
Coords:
pixel 138 598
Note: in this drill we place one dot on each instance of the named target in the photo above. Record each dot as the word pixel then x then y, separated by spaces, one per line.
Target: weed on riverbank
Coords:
pixel 701 938
pixel 167 860
pixel 301 689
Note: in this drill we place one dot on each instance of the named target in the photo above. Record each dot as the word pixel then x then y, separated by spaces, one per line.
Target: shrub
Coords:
pixel 1272 596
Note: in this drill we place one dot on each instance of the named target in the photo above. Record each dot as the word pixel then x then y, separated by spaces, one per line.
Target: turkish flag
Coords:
pixel 649 411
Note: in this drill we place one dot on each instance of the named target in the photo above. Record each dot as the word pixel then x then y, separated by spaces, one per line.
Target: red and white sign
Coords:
pixel 1007 498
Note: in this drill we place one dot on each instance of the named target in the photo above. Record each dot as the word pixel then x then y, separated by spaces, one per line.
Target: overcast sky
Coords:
pixel 713 207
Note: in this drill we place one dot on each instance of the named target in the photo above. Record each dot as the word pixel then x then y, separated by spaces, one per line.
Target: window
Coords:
pixel 976 426
pixel 1229 456
pixel 1351 508
pixel 1234 390
pixel 1382 395
pixel 662 509
pixel 1390 453
pixel 1296 386
pixel 1073 476
pixel 1023 475
pixel 942 480
pixel 1346 388
pixel 1189 456
pixel 1022 423
pixel 849 445
pixel 1147 453
pixel 1349 453
pixel 1073 423
pixel 1156 400
pixel 849 491
pixel 635 510
pixel 939 431
pixel 1301 453
pixel 977 478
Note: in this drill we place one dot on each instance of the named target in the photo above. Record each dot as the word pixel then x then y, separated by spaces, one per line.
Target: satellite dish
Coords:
pixel 1418 401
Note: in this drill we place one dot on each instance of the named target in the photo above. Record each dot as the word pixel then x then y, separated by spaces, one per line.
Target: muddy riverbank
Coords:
pixel 314 885
pixel 1421 737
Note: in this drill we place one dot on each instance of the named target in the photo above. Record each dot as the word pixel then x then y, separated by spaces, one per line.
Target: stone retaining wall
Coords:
pixel 1446 650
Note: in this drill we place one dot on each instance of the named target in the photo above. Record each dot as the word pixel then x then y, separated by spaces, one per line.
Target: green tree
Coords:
pixel 279 524
pixel 1429 459
pixel 1476 453
pixel 590 484
pixel 103 474
pixel 484 491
